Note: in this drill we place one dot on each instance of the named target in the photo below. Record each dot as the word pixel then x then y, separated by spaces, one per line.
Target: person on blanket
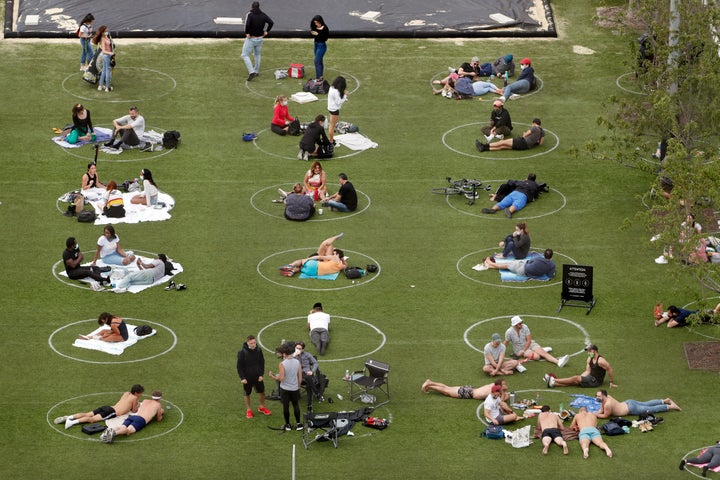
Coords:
pixel 109 249
pixel 130 128
pixel 551 427
pixel 533 267
pixel 596 367
pixel 90 180
pixel 73 258
pixel 327 260
pixel 149 409
pixel 128 403
pixel 118 329
pixel 82 129
pixel 147 274
pixel 711 457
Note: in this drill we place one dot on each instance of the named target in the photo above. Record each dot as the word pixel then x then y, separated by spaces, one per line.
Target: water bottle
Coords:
pixel 347 375
pixel 505 80
pixel 282 342
pixel 538 400
pixel 512 398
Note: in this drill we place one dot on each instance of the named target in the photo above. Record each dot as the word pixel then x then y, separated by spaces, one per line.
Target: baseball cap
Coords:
pixel 475 59
pixel 515 320
pixel 525 61
pixel 496 337
pixel 508 58
pixel 496 388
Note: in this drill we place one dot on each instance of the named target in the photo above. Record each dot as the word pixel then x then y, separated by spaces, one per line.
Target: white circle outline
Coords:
pixel 550 283
pixel 352 153
pixel 480 410
pixel 516 215
pixel 315 217
pixel 344 74
pixel 488 157
pixel 90 438
pixel 110 158
pixel 93 320
pixel 695 331
pixel 692 452
pixel 304 319
pixel 634 92
pixel 357 284
pixel 526 94
pixel 174 86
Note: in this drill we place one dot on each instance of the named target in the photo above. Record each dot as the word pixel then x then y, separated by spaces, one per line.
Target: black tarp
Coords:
pixel 223 18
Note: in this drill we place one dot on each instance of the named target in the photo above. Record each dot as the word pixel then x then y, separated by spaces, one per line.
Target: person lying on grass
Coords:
pixel 327 260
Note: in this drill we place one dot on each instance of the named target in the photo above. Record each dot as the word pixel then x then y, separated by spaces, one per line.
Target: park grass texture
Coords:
pixel 419 301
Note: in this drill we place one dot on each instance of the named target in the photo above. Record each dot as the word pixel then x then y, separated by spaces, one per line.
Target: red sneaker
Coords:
pixel 264 411
pixel 249 414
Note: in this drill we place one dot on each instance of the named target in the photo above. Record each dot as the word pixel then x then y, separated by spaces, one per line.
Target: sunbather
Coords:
pixel 466 392
pixel 128 403
pixel 327 260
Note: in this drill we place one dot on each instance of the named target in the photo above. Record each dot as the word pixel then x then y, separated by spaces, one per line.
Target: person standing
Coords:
pixel 336 97
pixel 345 200
pixel 320 31
pixel 257 27
pixel 290 377
pixel 500 122
pixel 85 33
pixel 130 128
pixel 250 368
pixel 319 326
pixel 107 50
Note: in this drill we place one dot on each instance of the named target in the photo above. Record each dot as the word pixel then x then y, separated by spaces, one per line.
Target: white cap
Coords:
pixel 516 320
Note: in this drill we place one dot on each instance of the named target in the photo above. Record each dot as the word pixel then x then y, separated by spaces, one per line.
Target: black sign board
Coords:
pixel 577 286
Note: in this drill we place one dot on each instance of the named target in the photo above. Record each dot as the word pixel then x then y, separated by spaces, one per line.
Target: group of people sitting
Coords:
pixel 300 202
pixel 465 82
pixel 128 130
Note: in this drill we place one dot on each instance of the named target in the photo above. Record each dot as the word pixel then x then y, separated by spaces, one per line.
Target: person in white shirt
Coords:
pixel 337 95
pixel 150 190
pixel 319 326
pixel 497 412
pixel 130 127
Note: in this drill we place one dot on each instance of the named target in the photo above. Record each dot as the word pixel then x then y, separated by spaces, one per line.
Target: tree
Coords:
pixel 681 108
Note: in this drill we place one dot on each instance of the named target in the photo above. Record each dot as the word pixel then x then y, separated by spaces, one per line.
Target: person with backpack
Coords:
pixel 524 83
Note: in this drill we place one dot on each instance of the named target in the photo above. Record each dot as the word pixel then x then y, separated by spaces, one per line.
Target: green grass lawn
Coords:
pixel 417 312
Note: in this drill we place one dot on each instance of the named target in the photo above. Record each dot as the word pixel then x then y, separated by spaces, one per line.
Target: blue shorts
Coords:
pixel 515 198
pixel 589 433
pixel 310 268
pixel 135 421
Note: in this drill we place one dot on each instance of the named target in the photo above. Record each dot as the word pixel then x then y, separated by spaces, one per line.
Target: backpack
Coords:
pixel 316 86
pixel 494 432
pixel 86 216
pixel 486 69
pixel 376 423
pixel 611 428
pixel 354 272
pixel 294 128
pixel 171 139
pixel 143 330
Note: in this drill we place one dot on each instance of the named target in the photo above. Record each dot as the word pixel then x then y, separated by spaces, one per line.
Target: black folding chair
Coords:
pixel 320 427
pixel 366 384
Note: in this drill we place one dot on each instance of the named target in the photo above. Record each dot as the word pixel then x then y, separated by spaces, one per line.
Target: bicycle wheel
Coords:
pixel 446 191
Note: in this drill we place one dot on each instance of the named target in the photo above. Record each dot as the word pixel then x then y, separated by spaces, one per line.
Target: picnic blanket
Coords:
pixel 329 276
pixel 355 141
pixel 700 465
pixel 103 135
pixel 134 213
pixel 508 276
pixel 591 403
pixel 127 269
pixel 113 348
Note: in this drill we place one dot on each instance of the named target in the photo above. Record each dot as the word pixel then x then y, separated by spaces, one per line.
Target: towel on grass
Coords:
pixel 355 141
pixel 329 276
pixel 508 276
pixel 700 465
pixel 591 403
pixel 113 348
pixel 124 270
pixel 134 213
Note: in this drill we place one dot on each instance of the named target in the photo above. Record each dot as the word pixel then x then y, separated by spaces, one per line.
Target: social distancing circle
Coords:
pixel 287 146
pixel 628 83
pixel 712 332
pixel 547 204
pixel 492 277
pixel 498 83
pixel 350 338
pixel 262 201
pixel 268 268
pixel 87 152
pixel 267 86
pixel 61 342
pixel 172 418
pixel 461 140
pixel 127 82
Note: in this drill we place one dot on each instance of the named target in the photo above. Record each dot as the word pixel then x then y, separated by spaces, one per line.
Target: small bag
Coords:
pixel 171 139
pixel 611 428
pixel 494 432
pixel 143 330
pixel 376 423
pixel 296 70
pixel 354 272
pixel 85 216
pixel 313 85
pixel 294 128
pixel 92 428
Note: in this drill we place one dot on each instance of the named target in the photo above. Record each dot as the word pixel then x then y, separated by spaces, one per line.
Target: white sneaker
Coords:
pixel 451 69
pixel 300 154
pixel 60 420
pixel 305 156
pixel 100 87
pixel 282 193
pixel 499 137
pixel 96 286
pixel 551 382
pixel 655 238
pixel 661 260
pixel 489 138
pixel 562 361
pixel 119 290
pixel 502 99
pixel 514 96
pixel 69 423
pixel 547 349
pixel 480 267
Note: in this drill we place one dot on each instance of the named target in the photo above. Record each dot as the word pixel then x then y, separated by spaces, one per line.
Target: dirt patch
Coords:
pixel 702 355
pixel 616 18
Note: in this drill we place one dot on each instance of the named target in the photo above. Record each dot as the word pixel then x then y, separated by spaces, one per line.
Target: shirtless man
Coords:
pixel 551 427
pixel 466 392
pixel 610 407
pixel 149 409
pixel 127 403
pixel 586 423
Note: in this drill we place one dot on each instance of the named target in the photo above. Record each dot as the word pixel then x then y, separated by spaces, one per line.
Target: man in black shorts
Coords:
pixel 127 403
pixel 596 367
pixel 250 368
pixel 551 427
pixel 531 138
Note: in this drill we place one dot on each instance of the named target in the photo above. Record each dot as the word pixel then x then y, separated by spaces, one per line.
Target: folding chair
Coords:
pixel 320 427
pixel 366 384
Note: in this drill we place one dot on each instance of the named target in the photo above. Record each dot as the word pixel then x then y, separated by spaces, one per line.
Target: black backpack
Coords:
pixel 143 330
pixel 171 139
pixel 86 216
pixel 316 86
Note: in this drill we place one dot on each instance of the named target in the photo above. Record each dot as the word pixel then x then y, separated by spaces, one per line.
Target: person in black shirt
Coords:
pixel 595 370
pixel 73 258
pixel 313 139
pixel 345 200
pixel 255 32
pixel 320 31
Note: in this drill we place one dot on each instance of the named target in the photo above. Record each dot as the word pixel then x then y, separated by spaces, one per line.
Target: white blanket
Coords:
pixel 134 213
pixel 129 269
pixel 113 348
pixel 355 141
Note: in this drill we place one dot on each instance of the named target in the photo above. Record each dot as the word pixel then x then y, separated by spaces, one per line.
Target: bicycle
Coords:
pixel 469 188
